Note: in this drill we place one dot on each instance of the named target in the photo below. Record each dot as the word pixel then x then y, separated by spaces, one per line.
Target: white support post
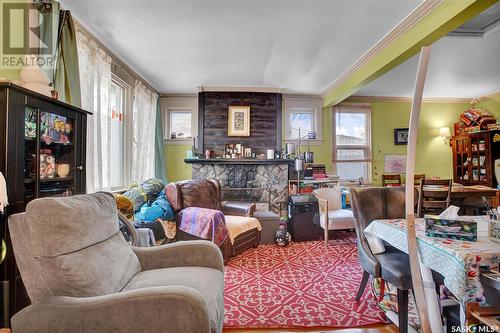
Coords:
pixel 416 276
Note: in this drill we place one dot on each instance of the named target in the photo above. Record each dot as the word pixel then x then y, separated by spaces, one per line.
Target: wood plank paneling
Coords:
pixel 265 120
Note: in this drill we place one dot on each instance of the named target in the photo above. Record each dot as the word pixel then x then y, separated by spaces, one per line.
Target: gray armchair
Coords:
pixel 81 275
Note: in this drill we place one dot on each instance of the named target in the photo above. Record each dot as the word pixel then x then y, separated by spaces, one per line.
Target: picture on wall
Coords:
pixel 401 136
pixel 394 163
pixel 238 123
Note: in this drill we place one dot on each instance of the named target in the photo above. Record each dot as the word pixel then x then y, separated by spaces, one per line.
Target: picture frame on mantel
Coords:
pixel 401 136
pixel 238 121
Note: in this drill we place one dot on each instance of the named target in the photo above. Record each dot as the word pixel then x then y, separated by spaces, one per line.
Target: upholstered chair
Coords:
pixel 332 216
pixel 81 275
pixel 243 229
pixel 391 265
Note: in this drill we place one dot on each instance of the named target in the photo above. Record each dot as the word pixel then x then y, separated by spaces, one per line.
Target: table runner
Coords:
pixel 457 261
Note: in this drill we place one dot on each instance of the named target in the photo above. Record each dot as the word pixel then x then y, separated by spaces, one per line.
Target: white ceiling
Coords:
pixel 459 67
pixel 302 46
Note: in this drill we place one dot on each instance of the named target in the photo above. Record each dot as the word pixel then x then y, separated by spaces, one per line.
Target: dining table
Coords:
pixel 461 192
pixel 459 262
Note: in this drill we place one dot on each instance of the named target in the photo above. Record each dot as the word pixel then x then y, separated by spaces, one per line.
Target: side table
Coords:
pixel 270 222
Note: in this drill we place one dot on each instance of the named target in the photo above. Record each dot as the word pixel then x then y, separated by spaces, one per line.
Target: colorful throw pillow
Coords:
pixel 159 208
pixel 125 206
pixel 145 192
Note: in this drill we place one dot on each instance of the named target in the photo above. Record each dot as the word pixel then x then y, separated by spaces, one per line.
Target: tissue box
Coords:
pixel 451 229
pixel 494 230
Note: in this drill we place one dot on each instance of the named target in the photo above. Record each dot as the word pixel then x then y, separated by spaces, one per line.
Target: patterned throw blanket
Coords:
pixel 205 223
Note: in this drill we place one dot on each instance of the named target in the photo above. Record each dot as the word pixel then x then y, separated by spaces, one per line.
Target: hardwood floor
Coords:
pixel 377 328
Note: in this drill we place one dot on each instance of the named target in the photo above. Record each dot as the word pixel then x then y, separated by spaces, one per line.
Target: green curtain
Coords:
pixel 67 74
pixel 160 171
pixel 49 21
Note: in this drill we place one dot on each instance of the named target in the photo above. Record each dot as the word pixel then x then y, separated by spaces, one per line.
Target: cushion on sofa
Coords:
pixel 338 219
pixel 201 193
pixel 207 281
pixel 236 225
pixel 125 206
pixel 147 191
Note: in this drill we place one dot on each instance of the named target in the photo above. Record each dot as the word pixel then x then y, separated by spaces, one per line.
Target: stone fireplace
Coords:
pixel 261 181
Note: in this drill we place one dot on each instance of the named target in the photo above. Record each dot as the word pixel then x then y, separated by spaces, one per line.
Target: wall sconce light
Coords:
pixel 445 133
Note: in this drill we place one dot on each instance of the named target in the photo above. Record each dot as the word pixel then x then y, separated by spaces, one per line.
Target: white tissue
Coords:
pixel 451 213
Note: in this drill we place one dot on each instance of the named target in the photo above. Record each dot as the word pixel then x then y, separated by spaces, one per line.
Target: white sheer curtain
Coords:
pixel 95 80
pixel 143 133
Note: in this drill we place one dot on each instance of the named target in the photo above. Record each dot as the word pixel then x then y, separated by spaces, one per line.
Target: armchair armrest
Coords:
pixel 238 208
pixel 198 253
pixel 140 310
pixel 323 210
pixel 323 206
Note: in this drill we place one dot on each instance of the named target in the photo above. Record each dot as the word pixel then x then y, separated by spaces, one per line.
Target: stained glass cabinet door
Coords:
pixel 52 151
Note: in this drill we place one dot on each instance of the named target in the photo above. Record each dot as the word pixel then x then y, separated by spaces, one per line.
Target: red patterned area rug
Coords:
pixel 302 285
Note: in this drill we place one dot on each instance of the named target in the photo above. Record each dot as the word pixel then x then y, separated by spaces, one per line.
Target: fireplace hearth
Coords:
pixel 262 181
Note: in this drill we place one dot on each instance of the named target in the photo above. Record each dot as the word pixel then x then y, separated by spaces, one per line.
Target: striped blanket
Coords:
pixel 205 223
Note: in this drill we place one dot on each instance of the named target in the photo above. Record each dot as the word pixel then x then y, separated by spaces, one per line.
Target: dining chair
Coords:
pixel 392 265
pixel 418 178
pixel 391 180
pixel 332 216
pixel 434 196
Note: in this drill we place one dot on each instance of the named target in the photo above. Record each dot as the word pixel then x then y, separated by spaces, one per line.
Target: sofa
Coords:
pixel 81 275
pixel 244 229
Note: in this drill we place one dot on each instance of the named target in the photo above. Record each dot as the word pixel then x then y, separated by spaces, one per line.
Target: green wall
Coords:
pixel 434 157
pixel 491 103
pixel 176 168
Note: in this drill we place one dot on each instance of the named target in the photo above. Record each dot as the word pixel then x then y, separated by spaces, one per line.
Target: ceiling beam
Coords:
pixel 429 22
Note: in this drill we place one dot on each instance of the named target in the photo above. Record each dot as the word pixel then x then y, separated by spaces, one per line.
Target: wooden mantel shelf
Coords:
pixel 236 161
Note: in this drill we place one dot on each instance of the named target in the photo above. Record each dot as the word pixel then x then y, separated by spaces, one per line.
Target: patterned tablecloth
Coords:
pixel 457 261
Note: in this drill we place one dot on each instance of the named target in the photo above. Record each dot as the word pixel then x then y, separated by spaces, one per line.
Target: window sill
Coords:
pixel 305 142
pixel 179 142
pixel 120 190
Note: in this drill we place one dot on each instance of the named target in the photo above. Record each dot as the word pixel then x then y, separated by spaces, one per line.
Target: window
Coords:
pixel 302 113
pixel 352 147
pixel 302 120
pixel 114 129
pixel 180 118
pixel 117 133
pixel 180 124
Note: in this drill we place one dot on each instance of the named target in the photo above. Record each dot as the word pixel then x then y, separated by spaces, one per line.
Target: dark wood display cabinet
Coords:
pixel 474 158
pixel 42 154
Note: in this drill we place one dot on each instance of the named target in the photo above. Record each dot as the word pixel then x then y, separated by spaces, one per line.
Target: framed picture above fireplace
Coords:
pixel 238 121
